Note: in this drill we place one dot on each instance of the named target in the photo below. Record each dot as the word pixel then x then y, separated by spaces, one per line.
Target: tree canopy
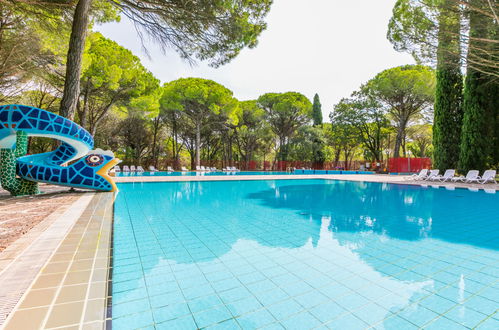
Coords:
pixel 202 101
pixel 286 112
pixel 113 76
pixel 405 91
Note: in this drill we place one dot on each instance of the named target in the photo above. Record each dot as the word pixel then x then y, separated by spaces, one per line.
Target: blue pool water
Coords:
pixel 240 173
pixel 200 173
pixel 303 254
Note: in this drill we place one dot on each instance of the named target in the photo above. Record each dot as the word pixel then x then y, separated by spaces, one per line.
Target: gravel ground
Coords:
pixel 19 214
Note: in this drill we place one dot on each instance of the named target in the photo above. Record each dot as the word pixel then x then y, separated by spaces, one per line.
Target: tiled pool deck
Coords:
pixel 70 290
pixel 63 281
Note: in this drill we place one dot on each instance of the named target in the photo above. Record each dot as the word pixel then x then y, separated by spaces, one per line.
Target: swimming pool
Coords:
pixel 300 254
pixel 192 173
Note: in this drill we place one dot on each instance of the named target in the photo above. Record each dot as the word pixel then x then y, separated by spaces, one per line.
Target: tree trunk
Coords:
pixel 74 59
pixel 84 113
pixel 198 143
pixel 155 141
pixel 398 140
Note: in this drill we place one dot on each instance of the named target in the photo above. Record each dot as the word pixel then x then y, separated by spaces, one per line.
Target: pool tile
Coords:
pixel 284 309
pixel 352 301
pixel 437 304
pixel 244 306
pixel 234 294
pixel 395 322
pixel 256 319
pixel 170 312
pixel 443 323
pixel 204 303
pixel 271 296
pixel 347 321
pixel 228 325
pixel 212 316
pixel 226 284
pixel 198 291
pixel 489 324
pixel 418 315
pixel 260 286
pixel 303 320
pixel 133 321
pixel 130 307
pixel 273 326
pixel 482 305
pixel 166 299
pixel 465 316
pixel 327 311
pixel 371 313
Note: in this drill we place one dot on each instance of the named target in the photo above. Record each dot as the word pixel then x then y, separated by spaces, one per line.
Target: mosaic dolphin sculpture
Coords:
pixel 90 170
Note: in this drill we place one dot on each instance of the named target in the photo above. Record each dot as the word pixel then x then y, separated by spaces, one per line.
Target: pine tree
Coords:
pixel 479 131
pixel 449 88
pixel 317 111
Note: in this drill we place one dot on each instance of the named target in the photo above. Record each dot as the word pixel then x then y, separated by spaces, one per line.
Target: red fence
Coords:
pixel 404 165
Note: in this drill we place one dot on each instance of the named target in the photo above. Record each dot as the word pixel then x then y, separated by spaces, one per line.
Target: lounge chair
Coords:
pixel 133 168
pixel 169 169
pixel 152 169
pixel 117 169
pixel 214 169
pixel 433 173
pixel 126 168
pixel 140 169
pixel 448 175
pixel 420 176
pixel 488 176
pixel 471 175
pixel 184 169
pixel 203 169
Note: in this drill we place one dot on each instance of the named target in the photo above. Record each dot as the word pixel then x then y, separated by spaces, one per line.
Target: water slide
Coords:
pixel 74 163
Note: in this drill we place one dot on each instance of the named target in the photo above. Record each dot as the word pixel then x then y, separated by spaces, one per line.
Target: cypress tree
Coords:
pixel 317 111
pixel 448 112
pixel 479 133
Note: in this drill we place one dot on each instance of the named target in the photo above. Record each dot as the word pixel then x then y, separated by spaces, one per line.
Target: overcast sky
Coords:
pixel 329 47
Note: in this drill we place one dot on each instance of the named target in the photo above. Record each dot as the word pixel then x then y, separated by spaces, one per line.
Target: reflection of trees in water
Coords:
pixel 399 211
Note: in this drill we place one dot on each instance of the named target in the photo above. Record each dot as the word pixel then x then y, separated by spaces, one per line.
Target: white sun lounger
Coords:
pixel 448 175
pixel 117 169
pixel 140 169
pixel 488 176
pixel 421 175
pixel 152 169
pixel 471 175
pixel 184 169
pixel 126 168
pixel 169 169
pixel 133 168
pixel 432 174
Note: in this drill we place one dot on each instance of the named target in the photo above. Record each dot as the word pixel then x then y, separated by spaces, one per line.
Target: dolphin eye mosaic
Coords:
pixel 94 160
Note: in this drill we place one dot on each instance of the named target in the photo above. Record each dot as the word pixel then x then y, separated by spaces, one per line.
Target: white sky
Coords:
pixel 329 47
